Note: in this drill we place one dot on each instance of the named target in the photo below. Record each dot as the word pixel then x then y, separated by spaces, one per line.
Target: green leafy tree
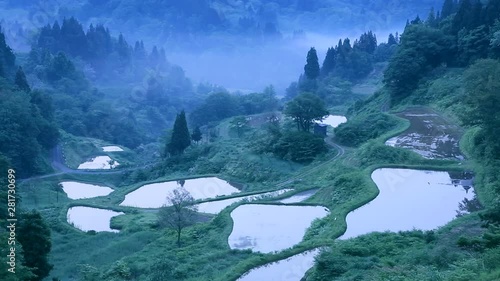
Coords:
pixel 19 132
pixel 181 138
pixel 304 109
pixel 34 235
pixel 472 45
pixel 405 69
pixel 311 69
pixel 196 135
pixel 421 48
pixel 179 212
pixel 21 81
pixel 216 107
pixel 483 99
pixel 300 147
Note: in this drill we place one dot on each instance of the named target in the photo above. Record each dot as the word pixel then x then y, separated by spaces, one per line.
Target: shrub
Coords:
pixel 363 128
pixel 301 147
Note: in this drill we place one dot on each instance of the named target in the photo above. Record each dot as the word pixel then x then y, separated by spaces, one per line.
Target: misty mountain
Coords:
pixel 169 20
pixel 264 39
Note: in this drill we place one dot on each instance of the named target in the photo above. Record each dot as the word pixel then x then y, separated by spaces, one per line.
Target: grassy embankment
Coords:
pixel 435 255
pixel 344 185
pixel 138 226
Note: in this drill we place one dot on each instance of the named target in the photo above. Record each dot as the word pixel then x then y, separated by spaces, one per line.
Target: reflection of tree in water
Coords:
pixel 181 182
pixel 463 178
pixel 468 206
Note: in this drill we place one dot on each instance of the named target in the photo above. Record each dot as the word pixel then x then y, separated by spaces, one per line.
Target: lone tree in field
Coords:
pixel 179 212
pixel 311 69
pixel 304 109
pixel 181 138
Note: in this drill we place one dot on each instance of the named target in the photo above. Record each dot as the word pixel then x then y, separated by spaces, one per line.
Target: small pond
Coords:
pixel 111 148
pixel 87 218
pixel 99 163
pixel 409 199
pixel 78 190
pixel 269 228
pixel 154 195
pixel 333 120
pixel 429 134
pixel 215 207
pixel 299 197
pixel 290 269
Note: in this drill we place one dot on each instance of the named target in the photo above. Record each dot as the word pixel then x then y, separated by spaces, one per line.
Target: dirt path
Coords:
pixel 57 163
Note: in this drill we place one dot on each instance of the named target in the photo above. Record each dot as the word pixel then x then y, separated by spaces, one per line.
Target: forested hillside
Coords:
pixel 201 23
pixel 27 129
pixel 449 61
pixel 200 182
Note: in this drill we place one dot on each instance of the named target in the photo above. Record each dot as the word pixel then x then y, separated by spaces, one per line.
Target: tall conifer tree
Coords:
pixel 21 81
pixel 329 62
pixel 181 138
pixel 311 69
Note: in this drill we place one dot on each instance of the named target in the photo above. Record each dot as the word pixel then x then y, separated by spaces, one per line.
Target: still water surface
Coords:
pixel 269 228
pixel 155 195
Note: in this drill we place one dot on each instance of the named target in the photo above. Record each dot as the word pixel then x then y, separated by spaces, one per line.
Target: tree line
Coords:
pixel 104 53
pixel 28 128
pixel 459 35
pixel 344 64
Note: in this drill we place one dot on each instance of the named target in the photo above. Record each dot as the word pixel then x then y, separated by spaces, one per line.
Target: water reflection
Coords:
pixel 333 120
pixel 299 197
pixel 429 134
pixel 154 195
pixel 290 269
pixel 269 228
pixel 87 218
pixel 408 199
pixel 78 190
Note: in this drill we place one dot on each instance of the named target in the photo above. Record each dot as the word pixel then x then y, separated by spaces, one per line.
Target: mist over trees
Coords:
pixel 69 63
pixel 109 57
pixel 90 82
pixel 344 64
pixel 218 106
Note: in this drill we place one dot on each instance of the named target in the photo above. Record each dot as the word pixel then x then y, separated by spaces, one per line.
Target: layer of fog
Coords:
pixel 225 61
pixel 252 68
